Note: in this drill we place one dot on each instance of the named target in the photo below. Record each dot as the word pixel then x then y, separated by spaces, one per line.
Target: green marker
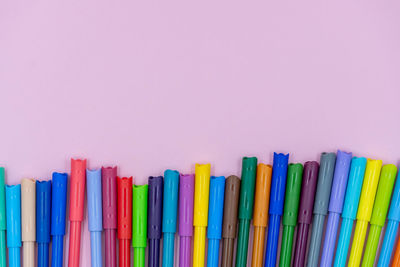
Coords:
pixel 381 205
pixel 289 219
pixel 139 224
pixel 3 254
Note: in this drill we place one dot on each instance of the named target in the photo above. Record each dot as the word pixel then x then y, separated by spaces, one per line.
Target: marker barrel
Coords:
pixel 124 219
pixel 139 224
pixel 3 247
pixel 28 224
pixel 43 220
pixel 155 219
pixel 13 210
pixel 344 242
pixel 287 246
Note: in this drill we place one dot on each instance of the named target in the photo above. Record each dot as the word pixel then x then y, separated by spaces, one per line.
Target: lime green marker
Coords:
pixel 381 205
pixel 139 224
pixel 3 254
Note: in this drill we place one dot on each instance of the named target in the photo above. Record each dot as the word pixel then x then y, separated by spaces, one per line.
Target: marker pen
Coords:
pixel 200 215
pixel 170 208
pixel 43 220
pixel 58 215
pixel 186 192
pixel 13 211
pixel 229 222
pixel 95 215
pixel 340 177
pixel 139 224
pixel 124 204
pixel 396 257
pixel 392 227
pixel 28 222
pixel 278 184
pixel 76 203
pixel 155 219
pixel 215 213
pixel 353 192
pixel 290 209
pixel 364 212
pixel 325 176
pixel 246 200
pixel 260 215
pixel 309 184
pixel 3 249
pixel 109 198
pixel 378 218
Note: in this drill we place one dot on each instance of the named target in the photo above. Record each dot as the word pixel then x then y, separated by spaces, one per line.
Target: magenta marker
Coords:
pixel 186 192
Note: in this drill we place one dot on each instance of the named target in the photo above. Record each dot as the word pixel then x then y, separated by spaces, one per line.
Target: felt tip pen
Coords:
pixel 378 218
pixel 124 204
pixel 186 192
pixel 215 214
pixel 139 224
pixel 260 215
pixel 353 192
pixel 76 203
pixel 277 196
pixel 155 219
pixel 58 215
pixel 13 215
pixel 170 209
pixel 43 220
pixel 95 215
pixel 200 214
pixel 339 184
pixel 109 198
pixel 246 200
pixel 290 210
pixel 3 248
pixel 325 176
pixel 364 212
pixel 28 221
pixel 391 228
pixel 229 222
pixel 308 188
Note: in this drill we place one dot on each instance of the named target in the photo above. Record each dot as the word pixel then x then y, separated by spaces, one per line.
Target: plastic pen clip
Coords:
pixel 155 219
pixel 124 188
pixel 13 211
pixel 28 222
pixel 139 224
pixel 43 220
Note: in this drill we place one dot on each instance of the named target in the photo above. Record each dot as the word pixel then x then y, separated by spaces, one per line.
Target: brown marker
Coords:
pixel 232 191
pixel 260 216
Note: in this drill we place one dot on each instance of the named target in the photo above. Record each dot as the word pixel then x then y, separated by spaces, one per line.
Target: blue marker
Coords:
pixel 13 211
pixel 392 226
pixel 215 213
pixel 58 206
pixel 277 197
pixel 43 210
pixel 353 192
pixel 93 180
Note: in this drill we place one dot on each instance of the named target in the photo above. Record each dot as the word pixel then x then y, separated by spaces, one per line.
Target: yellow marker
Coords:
pixel 364 212
pixel 200 216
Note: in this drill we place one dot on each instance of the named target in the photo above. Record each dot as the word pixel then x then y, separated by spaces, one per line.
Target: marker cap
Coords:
pixel 340 177
pixel 13 209
pixel 109 197
pixel 325 176
pixel 309 184
pixel 155 207
pixel 77 189
pixel 292 195
pixel 384 192
pixel 124 188
pixel 354 184
pixel 43 210
pixel 394 211
pixel 261 202
pixel 186 192
pixel 2 200
pixel 231 200
pixel 28 207
pixel 170 203
pixel 94 200
pixel 217 189
pixel 139 215
pixel 201 194
pixel 58 203
pixel 246 200
pixel 278 184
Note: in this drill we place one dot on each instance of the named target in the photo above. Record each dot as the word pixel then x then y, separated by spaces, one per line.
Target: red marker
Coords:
pixel 77 196
pixel 124 195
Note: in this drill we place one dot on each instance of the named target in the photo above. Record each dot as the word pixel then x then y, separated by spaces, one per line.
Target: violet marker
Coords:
pixel 155 200
pixel 186 193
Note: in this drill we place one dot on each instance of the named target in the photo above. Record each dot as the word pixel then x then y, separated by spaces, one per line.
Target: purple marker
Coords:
pixel 186 193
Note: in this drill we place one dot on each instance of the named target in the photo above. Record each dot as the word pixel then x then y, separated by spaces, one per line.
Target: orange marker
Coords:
pixel 396 258
pixel 260 216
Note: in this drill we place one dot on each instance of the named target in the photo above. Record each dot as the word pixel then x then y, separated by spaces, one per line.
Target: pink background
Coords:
pixel 150 86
